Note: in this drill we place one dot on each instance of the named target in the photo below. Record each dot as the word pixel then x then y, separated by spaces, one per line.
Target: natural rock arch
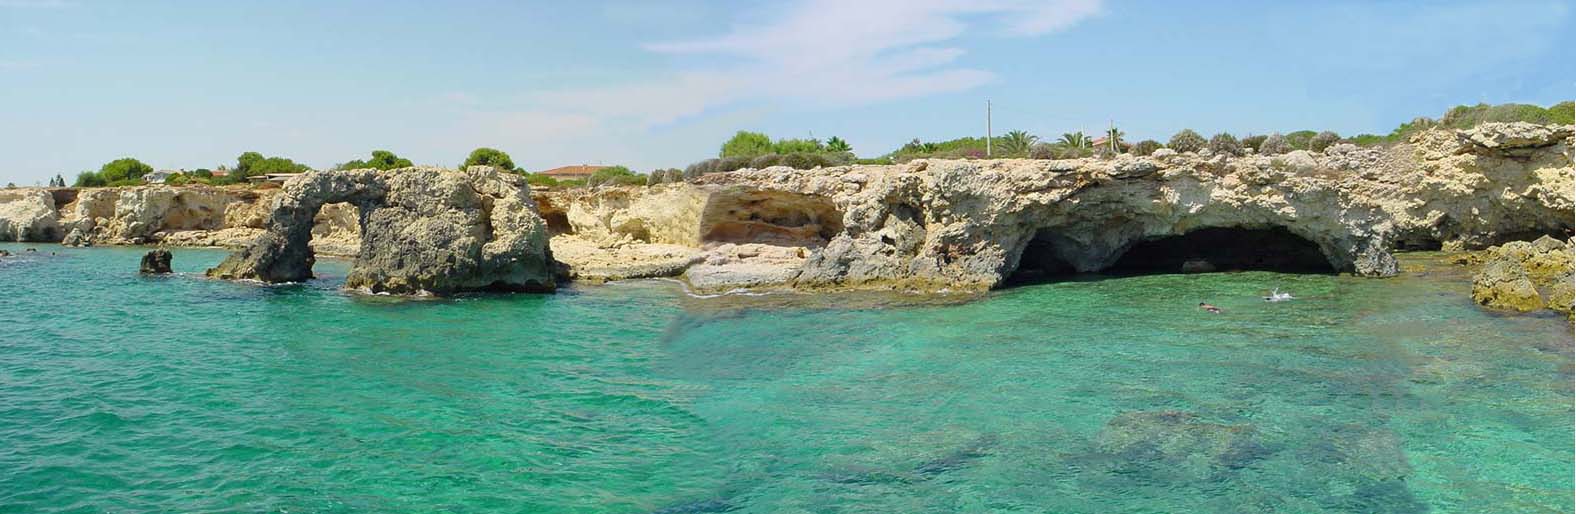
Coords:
pixel 423 231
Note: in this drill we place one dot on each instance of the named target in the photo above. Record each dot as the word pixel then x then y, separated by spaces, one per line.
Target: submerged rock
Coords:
pixel 423 231
pixel 156 262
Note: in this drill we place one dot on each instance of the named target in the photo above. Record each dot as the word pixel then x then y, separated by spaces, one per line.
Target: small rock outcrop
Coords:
pixel 423 231
pixel 156 262
pixel 1526 276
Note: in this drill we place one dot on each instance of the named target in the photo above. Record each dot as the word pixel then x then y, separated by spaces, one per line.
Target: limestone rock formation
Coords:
pixel 1526 276
pixel 156 262
pixel 423 231
pixel 28 215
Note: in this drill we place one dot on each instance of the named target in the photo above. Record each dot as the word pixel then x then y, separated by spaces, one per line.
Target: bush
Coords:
pixel 1254 142
pixel 538 179
pixel 1275 144
pixel 790 146
pixel 89 179
pixel 1042 151
pixel 664 176
pixel 382 160
pixel 1186 141
pixel 1224 143
pixel 1367 139
pixel 489 157
pixel 1323 140
pixel 1563 113
pixel 728 164
pixel 1145 147
pixel 1300 140
pixel 765 161
pixel 123 170
pixel 615 175
pixel 700 168
pixel 746 144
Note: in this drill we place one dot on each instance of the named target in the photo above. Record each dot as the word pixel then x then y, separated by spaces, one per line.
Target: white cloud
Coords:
pixel 820 53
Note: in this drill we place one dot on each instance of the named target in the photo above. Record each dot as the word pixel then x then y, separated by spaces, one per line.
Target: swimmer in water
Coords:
pixel 1211 308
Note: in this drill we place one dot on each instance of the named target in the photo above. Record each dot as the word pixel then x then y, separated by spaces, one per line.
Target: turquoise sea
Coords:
pixel 122 393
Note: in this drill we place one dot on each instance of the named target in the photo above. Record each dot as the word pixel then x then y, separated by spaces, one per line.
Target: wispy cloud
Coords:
pixel 826 53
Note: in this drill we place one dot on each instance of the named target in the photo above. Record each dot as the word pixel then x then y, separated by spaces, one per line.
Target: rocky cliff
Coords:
pixel 1525 276
pixel 159 214
pixel 423 231
pixel 964 224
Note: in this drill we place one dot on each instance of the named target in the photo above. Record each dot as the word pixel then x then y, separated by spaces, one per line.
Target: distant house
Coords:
pixel 580 172
pixel 278 178
pixel 221 172
pixel 158 177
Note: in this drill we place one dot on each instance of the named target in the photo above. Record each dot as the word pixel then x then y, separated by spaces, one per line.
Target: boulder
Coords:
pixel 423 230
pixel 156 262
pixel 28 215
pixel 1526 276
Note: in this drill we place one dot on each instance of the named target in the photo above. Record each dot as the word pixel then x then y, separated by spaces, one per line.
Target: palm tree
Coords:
pixel 1017 142
pixel 837 144
pixel 1114 137
pixel 1074 140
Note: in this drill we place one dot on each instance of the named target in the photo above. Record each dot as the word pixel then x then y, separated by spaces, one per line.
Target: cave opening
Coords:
pixel 1198 251
pixel 771 217
pixel 1225 249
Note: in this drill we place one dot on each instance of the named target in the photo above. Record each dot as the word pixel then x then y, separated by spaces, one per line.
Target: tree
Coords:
pixel 1113 139
pixel 58 181
pixel 1186 141
pixel 1225 144
pixel 837 144
pixel 489 157
pixel 123 171
pixel 244 163
pixel 747 144
pixel 1017 143
pixel 1074 140
pixel 252 164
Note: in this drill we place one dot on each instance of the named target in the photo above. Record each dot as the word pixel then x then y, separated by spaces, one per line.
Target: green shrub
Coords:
pixel 1367 139
pixel 1225 144
pixel 489 157
pixel 700 168
pixel 727 164
pixel 382 160
pixel 746 144
pixel 89 179
pixel 1323 140
pixel 1300 140
pixel 1186 141
pixel 1274 144
pixel 790 146
pixel 874 161
pixel 765 161
pixel 1563 113
pixel 538 179
pixel 837 144
pixel 1145 147
pixel 1253 142
pixel 664 176
pixel 615 175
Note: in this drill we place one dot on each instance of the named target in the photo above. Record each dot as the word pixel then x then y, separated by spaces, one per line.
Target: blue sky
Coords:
pixel 661 84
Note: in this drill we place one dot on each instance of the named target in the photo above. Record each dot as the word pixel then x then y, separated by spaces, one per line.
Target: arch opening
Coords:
pixel 1225 249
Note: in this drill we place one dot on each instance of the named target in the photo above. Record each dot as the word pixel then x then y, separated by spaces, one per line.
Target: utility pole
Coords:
pixel 987 129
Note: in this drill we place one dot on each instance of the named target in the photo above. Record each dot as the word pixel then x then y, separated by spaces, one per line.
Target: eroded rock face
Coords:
pixel 28 215
pixel 1526 276
pixel 423 230
pixel 967 224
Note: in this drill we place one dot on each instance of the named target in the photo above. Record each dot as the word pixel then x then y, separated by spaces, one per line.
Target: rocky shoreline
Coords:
pixel 942 225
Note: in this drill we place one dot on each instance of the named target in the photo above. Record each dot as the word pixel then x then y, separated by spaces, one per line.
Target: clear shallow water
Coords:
pixel 125 393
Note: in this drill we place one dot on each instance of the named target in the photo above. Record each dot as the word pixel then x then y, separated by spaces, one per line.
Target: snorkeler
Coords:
pixel 1211 308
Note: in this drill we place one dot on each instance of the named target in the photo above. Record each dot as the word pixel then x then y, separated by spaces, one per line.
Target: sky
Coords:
pixel 651 84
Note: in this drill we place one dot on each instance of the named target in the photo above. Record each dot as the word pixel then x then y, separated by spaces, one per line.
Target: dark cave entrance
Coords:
pixel 1225 249
pixel 1200 251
